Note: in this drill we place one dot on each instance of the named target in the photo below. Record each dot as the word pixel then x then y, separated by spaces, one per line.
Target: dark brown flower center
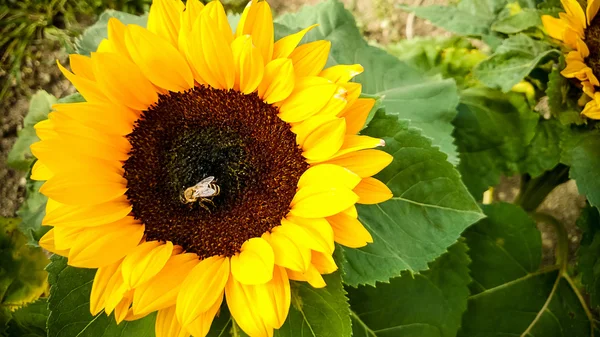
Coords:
pixel 204 132
pixel 592 40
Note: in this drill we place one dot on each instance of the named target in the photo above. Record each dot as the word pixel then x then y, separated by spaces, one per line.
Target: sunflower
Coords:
pixel 580 33
pixel 206 165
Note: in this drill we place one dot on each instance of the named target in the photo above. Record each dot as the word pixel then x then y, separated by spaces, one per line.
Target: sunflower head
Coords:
pixel 579 31
pixel 206 164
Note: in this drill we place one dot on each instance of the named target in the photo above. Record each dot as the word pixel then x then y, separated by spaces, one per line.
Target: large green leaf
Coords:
pixel 428 304
pixel 581 151
pixel 562 97
pixel 510 295
pixel 543 153
pixel 32 211
pixel 20 156
pixel 430 103
pixel 318 312
pixel 430 209
pixel 69 306
pixel 513 60
pixel 589 253
pixel 518 22
pixel 492 132
pixel 90 39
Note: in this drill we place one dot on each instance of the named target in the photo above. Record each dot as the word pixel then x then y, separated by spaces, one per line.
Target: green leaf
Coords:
pixel 22 275
pixel 451 57
pixel 492 132
pixel 20 156
pixel 427 304
pixel 581 151
pixel 510 295
pixel 430 103
pixel 562 97
pixel 318 312
pixel 90 39
pixel 429 210
pixel 513 60
pixel 30 320
pixel 589 253
pixel 69 305
pixel 543 153
pixel 32 212
pixel 523 20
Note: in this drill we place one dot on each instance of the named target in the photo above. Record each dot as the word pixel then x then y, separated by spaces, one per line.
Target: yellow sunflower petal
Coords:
pixel 82 66
pixel 348 231
pixel 305 236
pixel 122 81
pixel 325 140
pixel 319 230
pixel 351 94
pixel 356 114
pixel 47 242
pixel 65 237
pixel 202 288
pixel 147 260
pixel 555 27
pixel 254 263
pixel 101 280
pixel 289 253
pixel 310 58
pixel 258 22
pixel 286 45
pixel 95 247
pixel 161 291
pixel 201 325
pixel 40 171
pixel 164 19
pixel 337 103
pixel 216 52
pixel 591 110
pixel 249 64
pixel 364 163
pixel 342 73
pixel 328 175
pixel 278 81
pixel 574 10
pixel 351 211
pixel 312 276
pixel 239 298
pixel 356 143
pixel 122 309
pixel 115 291
pixel 116 35
pixel 109 118
pixel 73 188
pixel 167 324
pixel 372 191
pixel 88 216
pixel 273 298
pixel 45 129
pixel 215 10
pixel 324 263
pixel 158 60
pixel 306 127
pixel 310 95
pixel 87 88
pixel 317 201
pixel 591 10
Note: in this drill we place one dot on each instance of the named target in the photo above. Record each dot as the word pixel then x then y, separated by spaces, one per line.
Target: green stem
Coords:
pixel 534 190
pixel 562 238
pixel 582 301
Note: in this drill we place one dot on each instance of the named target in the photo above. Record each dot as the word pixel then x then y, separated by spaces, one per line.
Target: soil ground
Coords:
pixel 381 21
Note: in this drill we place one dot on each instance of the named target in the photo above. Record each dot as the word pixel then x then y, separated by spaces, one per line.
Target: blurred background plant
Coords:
pixel 23 23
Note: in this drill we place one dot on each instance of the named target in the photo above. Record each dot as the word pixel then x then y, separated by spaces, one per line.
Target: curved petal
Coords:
pixel 356 114
pixel 310 58
pixel 249 64
pixel 348 231
pixel 364 163
pixel 258 22
pixel 202 288
pixel 288 252
pixel 164 19
pixel 99 287
pixel 167 324
pixel 147 260
pixel 325 140
pixel 278 81
pixel 328 175
pixel 342 73
pixel 317 201
pixel 372 191
pixel 239 298
pixel 286 45
pixel 320 231
pixel 254 264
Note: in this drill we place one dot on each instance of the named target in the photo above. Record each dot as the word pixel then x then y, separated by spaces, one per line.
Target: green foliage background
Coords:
pixel 455 119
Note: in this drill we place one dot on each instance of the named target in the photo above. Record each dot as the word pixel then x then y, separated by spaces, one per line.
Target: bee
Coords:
pixel 203 192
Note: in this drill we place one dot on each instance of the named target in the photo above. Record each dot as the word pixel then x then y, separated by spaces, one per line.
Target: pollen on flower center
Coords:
pixel 592 40
pixel 204 132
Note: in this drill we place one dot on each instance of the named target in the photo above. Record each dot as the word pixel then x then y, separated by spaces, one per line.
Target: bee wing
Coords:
pixel 204 191
pixel 206 181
